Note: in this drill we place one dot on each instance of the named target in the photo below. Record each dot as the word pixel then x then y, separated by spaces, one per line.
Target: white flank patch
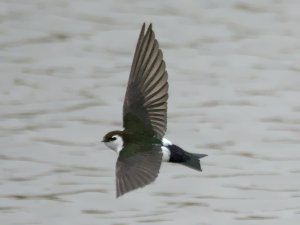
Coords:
pixel 166 142
pixel 166 154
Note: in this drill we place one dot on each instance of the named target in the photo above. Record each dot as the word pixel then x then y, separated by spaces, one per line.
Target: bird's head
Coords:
pixel 114 140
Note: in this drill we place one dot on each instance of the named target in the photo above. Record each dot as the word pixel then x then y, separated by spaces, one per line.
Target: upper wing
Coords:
pixel 145 104
pixel 136 167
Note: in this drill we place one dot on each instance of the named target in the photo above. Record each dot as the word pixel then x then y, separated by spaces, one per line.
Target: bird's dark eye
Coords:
pixel 112 138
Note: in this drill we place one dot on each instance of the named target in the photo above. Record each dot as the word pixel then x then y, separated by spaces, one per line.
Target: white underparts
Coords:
pixel 166 142
pixel 165 150
pixel 117 146
pixel 166 154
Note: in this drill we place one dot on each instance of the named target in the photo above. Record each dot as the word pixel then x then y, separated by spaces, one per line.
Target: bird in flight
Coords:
pixel 141 146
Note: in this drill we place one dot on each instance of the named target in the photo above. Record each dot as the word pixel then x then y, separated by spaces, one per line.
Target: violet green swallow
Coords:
pixel 141 146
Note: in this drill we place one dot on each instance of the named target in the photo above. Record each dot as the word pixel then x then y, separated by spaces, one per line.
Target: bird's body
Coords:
pixel 141 146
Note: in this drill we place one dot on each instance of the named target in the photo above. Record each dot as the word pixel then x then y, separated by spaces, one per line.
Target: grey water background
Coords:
pixel 234 95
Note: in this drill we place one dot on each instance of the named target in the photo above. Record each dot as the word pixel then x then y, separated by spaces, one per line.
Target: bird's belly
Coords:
pixel 165 150
pixel 166 154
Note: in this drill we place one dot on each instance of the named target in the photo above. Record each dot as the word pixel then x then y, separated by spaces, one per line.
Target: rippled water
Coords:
pixel 234 95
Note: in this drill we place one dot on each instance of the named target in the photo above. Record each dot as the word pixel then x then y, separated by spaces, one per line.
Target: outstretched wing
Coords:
pixel 145 104
pixel 137 166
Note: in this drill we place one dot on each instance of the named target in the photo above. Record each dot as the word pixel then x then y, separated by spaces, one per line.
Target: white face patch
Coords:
pixel 117 144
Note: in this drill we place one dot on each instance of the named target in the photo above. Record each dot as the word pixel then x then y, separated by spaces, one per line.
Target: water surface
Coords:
pixel 234 95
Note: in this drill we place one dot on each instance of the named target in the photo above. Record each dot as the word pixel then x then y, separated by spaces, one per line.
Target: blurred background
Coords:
pixel 234 95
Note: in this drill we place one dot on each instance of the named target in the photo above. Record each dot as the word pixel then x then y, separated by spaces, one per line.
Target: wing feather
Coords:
pixel 137 166
pixel 147 90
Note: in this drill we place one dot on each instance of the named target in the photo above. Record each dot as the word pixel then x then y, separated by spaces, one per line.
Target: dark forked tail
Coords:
pixel 192 160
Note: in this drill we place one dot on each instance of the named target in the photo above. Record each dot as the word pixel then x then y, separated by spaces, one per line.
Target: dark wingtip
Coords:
pixel 149 29
pixel 143 29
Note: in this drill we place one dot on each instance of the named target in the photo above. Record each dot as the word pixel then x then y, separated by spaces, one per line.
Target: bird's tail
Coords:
pixel 193 161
